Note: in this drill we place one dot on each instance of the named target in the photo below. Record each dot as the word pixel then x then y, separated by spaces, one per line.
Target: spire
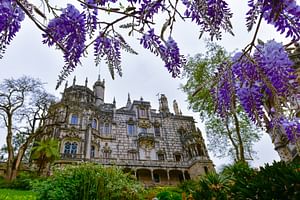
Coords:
pixel 86 81
pixel 74 80
pixel 114 102
pixel 128 101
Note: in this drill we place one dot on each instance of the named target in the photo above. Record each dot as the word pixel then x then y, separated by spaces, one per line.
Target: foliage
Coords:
pixel 169 195
pixel 45 151
pixel 22 182
pixel 214 186
pixel 277 181
pixel 88 181
pixel 76 27
pixel 24 107
pixel 226 136
pixel 10 194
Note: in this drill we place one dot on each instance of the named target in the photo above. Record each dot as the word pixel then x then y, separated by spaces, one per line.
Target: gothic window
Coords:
pixel 70 149
pixel 106 151
pixel 161 156
pixel 143 113
pixel 130 129
pixel 94 124
pixel 92 151
pixel 177 158
pixel 106 128
pixel 74 119
pixel 157 131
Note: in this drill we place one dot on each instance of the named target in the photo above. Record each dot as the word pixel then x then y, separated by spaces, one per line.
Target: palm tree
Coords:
pixel 44 152
pixel 215 186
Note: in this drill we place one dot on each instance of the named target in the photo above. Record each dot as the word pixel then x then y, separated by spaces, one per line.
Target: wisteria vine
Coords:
pixel 262 82
pixel 264 77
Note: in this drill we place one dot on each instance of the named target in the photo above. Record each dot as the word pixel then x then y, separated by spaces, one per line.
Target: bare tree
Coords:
pixel 24 109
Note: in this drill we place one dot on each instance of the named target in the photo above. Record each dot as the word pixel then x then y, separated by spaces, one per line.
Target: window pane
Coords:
pixel 94 124
pixel 130 129
pixel 74 119
pixel 157 131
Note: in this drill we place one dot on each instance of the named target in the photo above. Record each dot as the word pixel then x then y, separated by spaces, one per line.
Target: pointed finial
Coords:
pixel 128 101
pixel 74 80
pixel 86 81
pixel 141 99
pixel 114 102
pixel 99 77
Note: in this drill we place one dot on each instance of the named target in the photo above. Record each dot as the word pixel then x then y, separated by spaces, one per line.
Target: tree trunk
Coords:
pixel 17 162
pixel 10 150
pixel 238 133
pixel 235 146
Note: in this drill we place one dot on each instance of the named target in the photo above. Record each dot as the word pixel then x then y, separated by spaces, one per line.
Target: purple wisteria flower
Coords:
pixel 149 8
pixel 224 91
pixel 283 14
pixel 291 127
pixel 109 49
pixel 275 64
pixel 168 51
pixel 68 31
pixel 11 16
pixel 211 15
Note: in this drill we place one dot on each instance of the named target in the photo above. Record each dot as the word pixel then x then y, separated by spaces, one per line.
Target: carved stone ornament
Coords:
pixel 106 149
pixel 144 123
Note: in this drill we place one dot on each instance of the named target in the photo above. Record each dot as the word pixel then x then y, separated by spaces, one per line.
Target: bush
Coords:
pixel 88 181
pixel 22 181
pixel 169 195
pixel 277 181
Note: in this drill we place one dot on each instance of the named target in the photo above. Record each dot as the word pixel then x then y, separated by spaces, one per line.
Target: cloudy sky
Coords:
pixel 144 75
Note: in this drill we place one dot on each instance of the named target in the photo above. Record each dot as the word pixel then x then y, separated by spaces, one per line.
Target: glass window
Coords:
pixel 70 149
pixel 130 129
pixel 92 151
pixel 74 119
pixel 177 158
pixel 157 131
pixel 161 157
pixel 106 128
pixel 143 112
pixel 132 156
pixel 94 124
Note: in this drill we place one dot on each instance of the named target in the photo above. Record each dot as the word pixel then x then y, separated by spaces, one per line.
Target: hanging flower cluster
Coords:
pixel 11 16
pixel 282 14
pixel 266 76
pixel 211 15
pixel 68 31
pixel 168 51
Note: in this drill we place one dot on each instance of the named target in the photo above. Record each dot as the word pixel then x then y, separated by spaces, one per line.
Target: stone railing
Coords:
pixel 69 156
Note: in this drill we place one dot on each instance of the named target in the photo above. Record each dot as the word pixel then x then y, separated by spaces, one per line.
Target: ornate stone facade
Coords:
pixel 157 147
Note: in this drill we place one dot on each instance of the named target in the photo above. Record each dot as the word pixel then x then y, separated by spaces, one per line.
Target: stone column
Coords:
pixel 183 175
pixel 152 176
pixel 168 176
pixel 88 142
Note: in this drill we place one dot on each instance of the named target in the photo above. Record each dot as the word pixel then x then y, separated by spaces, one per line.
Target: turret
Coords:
pixel 99 91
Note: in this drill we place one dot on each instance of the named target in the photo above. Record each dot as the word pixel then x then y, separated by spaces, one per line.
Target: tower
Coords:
pixel 99 91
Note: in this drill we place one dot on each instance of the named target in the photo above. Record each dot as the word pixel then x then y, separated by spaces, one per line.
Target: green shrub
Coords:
pixel 276 181
pixel 169 195
pixel 88 181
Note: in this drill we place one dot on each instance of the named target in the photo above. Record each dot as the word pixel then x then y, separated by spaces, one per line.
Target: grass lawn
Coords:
pixel 9 194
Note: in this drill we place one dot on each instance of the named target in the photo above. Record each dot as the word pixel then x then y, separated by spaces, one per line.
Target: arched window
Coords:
pixel 160 156
pixel 157 131
pixel 94 124
pixel 106 128
pixel 92 151
pixel 130 129
pixel 70 149
pixel 74 119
